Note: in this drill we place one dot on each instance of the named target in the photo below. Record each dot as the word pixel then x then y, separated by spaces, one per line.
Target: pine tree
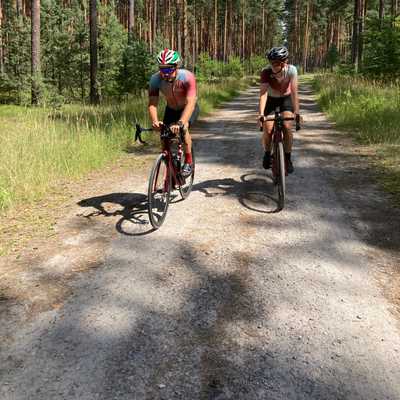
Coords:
pixel 94 92
pixel 36 78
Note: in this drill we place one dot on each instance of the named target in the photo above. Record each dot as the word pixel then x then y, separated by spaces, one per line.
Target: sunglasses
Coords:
pixel 167 71
pixel 276 63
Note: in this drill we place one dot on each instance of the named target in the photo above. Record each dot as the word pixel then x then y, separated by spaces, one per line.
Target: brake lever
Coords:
pixel 138 134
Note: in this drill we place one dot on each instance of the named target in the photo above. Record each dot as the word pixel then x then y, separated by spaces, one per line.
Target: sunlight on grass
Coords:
pixel 40 145
pixel 370 111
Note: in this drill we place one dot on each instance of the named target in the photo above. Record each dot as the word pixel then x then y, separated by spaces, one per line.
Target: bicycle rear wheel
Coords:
pixel 186 188
pixel 281 174
pixel 159 191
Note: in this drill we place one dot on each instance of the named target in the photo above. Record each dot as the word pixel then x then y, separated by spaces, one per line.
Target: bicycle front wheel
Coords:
pixel 159 191
pixel 186 188
pixel 281 175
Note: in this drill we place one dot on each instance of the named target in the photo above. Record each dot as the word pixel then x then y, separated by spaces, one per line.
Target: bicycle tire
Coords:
pixel 187 187
pixel 159 191
pixel 281 175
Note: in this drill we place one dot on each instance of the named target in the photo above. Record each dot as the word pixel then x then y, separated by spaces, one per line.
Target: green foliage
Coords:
pixel 65 66
pixel 65 51
pixel 15 83
pixel 135 69
pixel 15 89
pixel 382 47
pixel 209 70
pixel 368 108
pixel 233 68
pixel 112 42
pixel 255 65
pixel 38 146
pixel 332 58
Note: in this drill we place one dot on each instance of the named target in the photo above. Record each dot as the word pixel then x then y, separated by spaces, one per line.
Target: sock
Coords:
pixel 188 158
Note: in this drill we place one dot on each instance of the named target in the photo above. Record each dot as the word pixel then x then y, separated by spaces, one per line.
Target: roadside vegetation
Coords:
pixel 40 145
pixel 369 110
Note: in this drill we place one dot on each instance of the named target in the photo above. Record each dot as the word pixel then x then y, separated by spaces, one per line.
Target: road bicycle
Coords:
pixel 166 173
pixel 279 167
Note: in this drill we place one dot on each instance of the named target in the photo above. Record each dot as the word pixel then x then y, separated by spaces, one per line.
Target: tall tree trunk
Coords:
pixel 355 38
pixel 195 35
pixel 201 33
pixel 306 37
pixel 243 32
pixel 381 12
pixel 1 40
pixel 225 58
pixel 150 24
pixel 263 25
pixel 178 25
pixel 185 31
pixel 296 35
pixel 35 60
pixel 94 92
pixel 215 28
pixel 18 5
pixel 363 11
pixel 154 19
pixel 131 19
pixel 232 46
pixel 167 24
pixel 393 8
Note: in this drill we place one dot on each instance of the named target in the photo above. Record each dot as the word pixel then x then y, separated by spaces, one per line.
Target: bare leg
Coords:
pixel 287 132
pixel 188 143
pixel 267 135
pixel 288 139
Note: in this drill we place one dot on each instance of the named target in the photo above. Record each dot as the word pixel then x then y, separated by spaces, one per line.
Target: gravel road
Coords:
pixel 229 299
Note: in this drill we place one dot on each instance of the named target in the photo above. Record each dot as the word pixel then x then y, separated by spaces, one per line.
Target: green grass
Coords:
pixel 38 146
pixel 370 111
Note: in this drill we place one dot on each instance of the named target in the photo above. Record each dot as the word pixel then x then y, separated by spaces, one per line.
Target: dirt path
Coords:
pixel 229 299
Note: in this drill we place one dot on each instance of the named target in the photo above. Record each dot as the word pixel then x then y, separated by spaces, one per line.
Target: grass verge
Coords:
pixel 43 151
pixel 39 146
pixel 369 111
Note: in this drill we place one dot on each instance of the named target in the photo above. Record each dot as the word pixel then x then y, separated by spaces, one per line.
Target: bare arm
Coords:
pixel 188 110
pixel 263 98
pixel 295 95
pixel 153 103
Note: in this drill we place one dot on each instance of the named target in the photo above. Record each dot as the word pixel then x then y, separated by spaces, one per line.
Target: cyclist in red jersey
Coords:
pixel 179 89
pixel 278 88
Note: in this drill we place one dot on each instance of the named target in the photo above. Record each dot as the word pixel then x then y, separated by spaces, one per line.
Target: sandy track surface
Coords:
pixel 229 299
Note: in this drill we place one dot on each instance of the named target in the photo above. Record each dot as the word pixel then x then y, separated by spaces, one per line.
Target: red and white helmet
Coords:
pixel 168 56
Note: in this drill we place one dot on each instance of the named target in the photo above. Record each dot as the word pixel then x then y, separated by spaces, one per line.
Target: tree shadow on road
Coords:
pixel 138 332
pixel 254 191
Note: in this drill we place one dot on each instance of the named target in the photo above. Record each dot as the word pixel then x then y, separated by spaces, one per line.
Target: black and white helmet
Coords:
pixel 278 53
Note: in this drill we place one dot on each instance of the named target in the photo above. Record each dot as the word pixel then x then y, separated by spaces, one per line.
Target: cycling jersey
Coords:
pixel 175 92
pixel 278 85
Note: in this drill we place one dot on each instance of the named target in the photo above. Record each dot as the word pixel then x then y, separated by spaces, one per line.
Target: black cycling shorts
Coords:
pixel 284 104
pixel 171 115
